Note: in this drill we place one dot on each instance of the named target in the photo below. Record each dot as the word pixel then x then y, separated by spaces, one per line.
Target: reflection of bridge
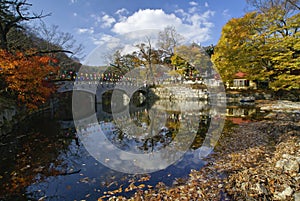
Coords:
pixel 100 88
pixel 141 123
pixel 159 112
pixel 104 112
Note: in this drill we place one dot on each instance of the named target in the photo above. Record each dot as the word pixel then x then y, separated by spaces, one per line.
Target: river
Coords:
pixel 45 158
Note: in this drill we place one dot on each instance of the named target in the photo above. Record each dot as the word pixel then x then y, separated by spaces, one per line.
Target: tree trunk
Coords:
pixel 3 44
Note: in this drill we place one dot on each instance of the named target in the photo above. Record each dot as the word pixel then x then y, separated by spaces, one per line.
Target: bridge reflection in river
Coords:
pixel 164 117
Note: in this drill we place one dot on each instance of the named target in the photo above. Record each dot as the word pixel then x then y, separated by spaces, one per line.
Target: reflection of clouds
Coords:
pixel 203 151
pixel 151 163
pixel 192 160
pixel 98 137
pixel 102 149
pixel 129 155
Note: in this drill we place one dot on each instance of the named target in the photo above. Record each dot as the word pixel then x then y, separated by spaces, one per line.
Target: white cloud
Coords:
pixel 85 30
pixel 127 30
pixel 73 1
pixel 103 20
pixel 105 39
pixel 194 27
pixel 122 13
pixel 183 15
pixel 96 18
pixel 132 29
pixel 206 5
pixel 226 14
pixel 193 3
pixel 193 9
pixel 75 14
pixel 107 21
pixel 146 19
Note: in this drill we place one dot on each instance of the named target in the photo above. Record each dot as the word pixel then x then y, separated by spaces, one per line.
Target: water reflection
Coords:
pixel 30 153
pixel 48 161
pixel 144 137
pixel 174 114
pixel 241 112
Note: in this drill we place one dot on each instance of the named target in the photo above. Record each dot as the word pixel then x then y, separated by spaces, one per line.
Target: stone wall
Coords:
pixel 240 96
pixel 7 114
pixel 180 92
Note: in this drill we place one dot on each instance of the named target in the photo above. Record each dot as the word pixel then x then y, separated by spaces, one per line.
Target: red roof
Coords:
pixel 240 74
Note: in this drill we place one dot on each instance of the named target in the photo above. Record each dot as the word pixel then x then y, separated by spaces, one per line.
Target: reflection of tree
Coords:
pixel 202 131
pixel 65 106
pixel 34 152
pixel 161 140
pixel 173 121
pixel 141 118
pixel 154 133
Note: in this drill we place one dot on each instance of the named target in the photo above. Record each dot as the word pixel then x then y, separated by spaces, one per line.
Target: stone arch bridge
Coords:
pixel 100 88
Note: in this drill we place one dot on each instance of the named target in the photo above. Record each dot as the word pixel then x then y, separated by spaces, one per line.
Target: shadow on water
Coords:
pixel 30 152
pixel 43 157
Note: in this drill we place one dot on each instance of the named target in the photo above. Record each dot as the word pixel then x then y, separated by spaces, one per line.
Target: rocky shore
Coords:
pixel 257 160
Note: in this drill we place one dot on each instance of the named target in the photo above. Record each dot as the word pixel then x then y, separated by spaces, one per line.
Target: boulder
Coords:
pixel 297 196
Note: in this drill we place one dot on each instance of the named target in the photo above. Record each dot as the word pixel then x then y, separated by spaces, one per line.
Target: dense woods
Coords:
pixel 264 44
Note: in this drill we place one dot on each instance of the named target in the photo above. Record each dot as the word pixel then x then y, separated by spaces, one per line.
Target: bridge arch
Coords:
pixel 99 89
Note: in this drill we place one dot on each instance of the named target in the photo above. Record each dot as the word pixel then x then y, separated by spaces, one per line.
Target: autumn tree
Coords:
pixel 16 35
pixel 27 59
pixel 25 75
pixel 181 60
pixel 127 61
pixel 49 41
pixel 209 50
pixel 191 59
pixel 148 54
pixel 264 6
pixel 168 39
pixel 229 57
pixel 263 44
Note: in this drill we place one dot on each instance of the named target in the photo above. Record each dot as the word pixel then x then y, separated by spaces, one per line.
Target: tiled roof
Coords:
pixel 240 75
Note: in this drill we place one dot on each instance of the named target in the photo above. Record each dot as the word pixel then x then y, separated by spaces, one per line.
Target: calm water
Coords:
pixel 43 157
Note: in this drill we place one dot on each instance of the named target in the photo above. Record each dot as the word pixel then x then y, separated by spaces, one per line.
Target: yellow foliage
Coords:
pixel 265 46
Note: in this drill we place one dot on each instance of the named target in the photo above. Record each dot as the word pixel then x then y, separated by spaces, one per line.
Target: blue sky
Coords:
pixel 94 22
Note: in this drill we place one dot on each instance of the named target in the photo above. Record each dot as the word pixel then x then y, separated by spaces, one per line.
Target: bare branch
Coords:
pixel 12 13
pixel 54 37
pixel 294 3
pixel 53 51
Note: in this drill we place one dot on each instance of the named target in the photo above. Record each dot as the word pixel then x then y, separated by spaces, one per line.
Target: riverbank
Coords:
pixel 257 160
pixel 11 114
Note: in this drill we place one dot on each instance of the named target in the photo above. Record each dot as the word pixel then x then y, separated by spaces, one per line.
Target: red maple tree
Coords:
pixel 25 74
